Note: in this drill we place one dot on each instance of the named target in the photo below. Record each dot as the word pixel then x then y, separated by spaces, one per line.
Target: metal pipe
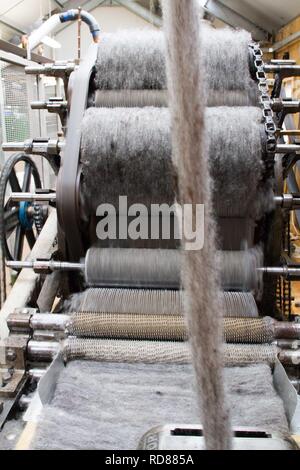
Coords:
pixel 288 343
pixel 289 132
pixel 54 105
pixel 48 335
pixel 285 271
pixel 35 146
pixel 87 18
pixel 287 148
pixel 283 62
pixel 58 69
pixel 36 374
pixel 287 106
pixel 36 37
pixel 46 265
pixel 42 350
pixel 51 24
pixel 51 321
pixel 289 357
pixel 286 69
pixel 286 330
pixel 288 201
pixel 13 147
pixel 32 197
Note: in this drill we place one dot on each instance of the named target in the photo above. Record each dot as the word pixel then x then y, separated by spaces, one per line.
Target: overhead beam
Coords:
pixel 59 4
pixel 20 52
pixel 234 19
pixel 85 4
pixel 141 12
pixel 12 25
pixel 286 42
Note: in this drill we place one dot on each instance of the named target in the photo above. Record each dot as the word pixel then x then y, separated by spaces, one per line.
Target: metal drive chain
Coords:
pixel 258 74
pixel 38 217
pixel 265 98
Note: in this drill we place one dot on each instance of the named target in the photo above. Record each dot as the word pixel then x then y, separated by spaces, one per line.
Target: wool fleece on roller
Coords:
pixel 136 60
pixel 201 276
pixel 132 150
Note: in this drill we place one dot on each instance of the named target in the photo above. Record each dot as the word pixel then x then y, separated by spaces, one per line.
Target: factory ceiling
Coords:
pixel 262 17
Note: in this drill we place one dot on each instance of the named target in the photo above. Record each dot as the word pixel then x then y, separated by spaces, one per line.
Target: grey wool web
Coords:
pixel 129 152
pixel 136 60
pixel 111 406
pixel 233 136
pixel 132 60
pixel 201 276
pixel 225 59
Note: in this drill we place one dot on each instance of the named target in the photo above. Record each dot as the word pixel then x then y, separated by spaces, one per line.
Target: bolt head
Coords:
pixel 6 377
pixel 11 355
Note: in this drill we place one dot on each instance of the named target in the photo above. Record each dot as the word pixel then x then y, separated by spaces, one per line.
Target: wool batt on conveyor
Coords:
pixel 135 60
pixel 111 406
pixel 128 152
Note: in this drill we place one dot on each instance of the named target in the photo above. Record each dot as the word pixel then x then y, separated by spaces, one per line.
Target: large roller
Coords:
pixel 131 150
pixel 161 352
pixel 162 268
pixel 173 327
pixel 139 326
pixel 155 269
pixel 136 61
pixel 157 302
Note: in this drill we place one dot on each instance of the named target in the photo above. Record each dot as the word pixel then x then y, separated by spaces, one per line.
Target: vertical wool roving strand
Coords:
pixel 200 268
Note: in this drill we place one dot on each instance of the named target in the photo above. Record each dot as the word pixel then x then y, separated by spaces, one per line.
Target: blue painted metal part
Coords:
pixel 25 222
pixel 73 15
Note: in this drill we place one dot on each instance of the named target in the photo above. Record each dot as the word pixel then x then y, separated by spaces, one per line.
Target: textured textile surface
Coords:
pixel 235 156
pixel 127 152
pixel 10 433
pixel 239 270
pixel 162 302
pixel 161 269
pixel 133 268
pixel 135 60
pixel 164 327
pixel 162 352
pixel 131 98
pixel 128 326
pixel 110 406
pixel 239 304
